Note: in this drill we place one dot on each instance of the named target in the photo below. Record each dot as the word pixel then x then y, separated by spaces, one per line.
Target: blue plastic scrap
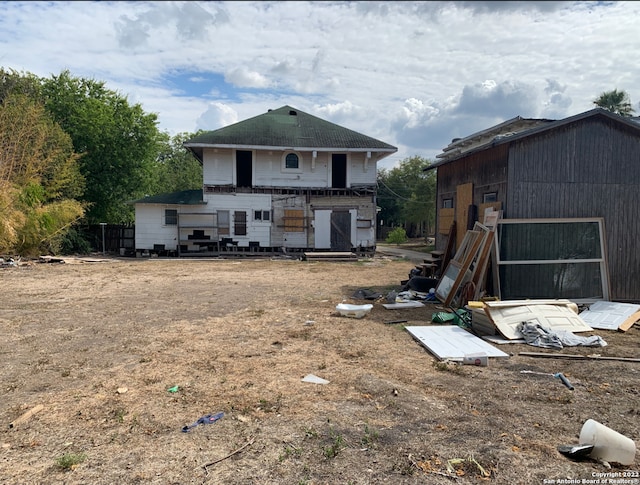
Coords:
pixel 207 419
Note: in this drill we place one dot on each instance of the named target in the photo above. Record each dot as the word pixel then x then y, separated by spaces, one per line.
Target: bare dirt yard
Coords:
pixel 101 345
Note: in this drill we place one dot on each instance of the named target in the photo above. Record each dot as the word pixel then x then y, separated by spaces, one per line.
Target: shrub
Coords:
pixel 397 236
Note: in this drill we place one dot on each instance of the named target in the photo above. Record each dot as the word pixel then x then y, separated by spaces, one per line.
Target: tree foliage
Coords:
pixel 117 142
pixel 615 101
pixel 175 168
pixel 39 178
pixel 406 196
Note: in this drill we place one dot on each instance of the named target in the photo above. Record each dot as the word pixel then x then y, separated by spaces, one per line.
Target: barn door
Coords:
pixel 340 231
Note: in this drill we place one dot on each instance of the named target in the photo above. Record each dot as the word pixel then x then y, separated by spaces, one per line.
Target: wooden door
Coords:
pixel 340 231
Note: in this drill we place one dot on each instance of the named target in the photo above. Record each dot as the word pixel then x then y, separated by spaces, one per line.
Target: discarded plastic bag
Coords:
pixel 207 419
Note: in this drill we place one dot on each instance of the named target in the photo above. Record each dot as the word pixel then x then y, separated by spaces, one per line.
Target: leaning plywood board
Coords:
pixel 629 322
pixel 452 342
pixel 554 317
pixel 608 315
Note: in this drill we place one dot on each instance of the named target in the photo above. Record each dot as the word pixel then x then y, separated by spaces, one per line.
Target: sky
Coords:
pixel 412 74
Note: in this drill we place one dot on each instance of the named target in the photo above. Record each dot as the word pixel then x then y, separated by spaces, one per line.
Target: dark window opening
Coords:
pixel 292 161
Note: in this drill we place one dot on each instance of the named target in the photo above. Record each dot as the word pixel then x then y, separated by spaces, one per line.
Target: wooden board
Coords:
pixel 629 322
pixel 464 198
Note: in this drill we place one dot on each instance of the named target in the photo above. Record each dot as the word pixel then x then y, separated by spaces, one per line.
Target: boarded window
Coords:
pixel 293 220
pixel 170 217
pixel 223 223
pixel 240 223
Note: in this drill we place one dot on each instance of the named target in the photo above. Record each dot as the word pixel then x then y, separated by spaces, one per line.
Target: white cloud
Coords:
pixel 242 77
pixel 413 74
pixel 217 116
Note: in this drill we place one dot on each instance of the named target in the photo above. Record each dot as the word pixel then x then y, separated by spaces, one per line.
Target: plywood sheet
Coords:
pixel 452 342
pixel 554 317
pixel 608 315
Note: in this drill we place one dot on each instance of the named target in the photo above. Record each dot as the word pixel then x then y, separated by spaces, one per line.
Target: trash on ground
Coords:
pixel 173 389
pixel 575 451
pixel 608 445
pixel 539 336
pixel 480 359
pixel 452 342
pixel 366 294
pixel 578 357
pixel 207 419
pixel 353 311
pixel 608 315
pixel 25 416
pixel 404 304
pixel 557 375
pixel 314 379
pixel 504 317
pixel 122 390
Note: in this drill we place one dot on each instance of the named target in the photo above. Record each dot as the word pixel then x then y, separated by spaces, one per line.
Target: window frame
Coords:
pixel 171 219
pixel 262 215
pixel 284 167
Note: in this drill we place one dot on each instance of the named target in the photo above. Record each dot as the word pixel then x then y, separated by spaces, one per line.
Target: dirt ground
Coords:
pixel 100 345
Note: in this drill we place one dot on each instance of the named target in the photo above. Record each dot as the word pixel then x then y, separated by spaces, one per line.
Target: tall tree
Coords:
pixel 175 168
pixel 406 195
pixel 39 178
pixel 118 143
pixel 615 101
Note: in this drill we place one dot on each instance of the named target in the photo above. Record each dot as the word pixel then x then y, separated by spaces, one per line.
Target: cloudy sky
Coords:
pixel 412 74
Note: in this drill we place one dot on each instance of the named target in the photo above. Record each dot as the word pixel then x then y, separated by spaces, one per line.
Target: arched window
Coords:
pixel 292 161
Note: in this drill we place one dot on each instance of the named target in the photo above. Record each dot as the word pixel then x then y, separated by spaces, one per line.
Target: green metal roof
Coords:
pixel 184 197
pixel 287 128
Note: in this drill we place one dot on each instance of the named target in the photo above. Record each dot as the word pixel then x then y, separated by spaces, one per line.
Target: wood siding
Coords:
pixel 487 170
pixel 586 169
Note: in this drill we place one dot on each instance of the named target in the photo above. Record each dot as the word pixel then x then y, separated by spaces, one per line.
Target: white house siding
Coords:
pixel 362 171
pixel 257 230
pixel 151 229
pixel 218 166
pixel 268 171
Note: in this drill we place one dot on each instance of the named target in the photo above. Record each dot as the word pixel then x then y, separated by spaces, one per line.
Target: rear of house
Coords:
pixel 281 181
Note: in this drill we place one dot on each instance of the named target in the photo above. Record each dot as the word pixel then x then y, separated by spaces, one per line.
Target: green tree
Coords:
pixel 39 178
pixel 175 168
pixel 615 101
pixel 406 196
pixel 118 143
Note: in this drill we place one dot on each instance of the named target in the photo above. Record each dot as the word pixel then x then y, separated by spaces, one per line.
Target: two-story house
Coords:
pixel 283 180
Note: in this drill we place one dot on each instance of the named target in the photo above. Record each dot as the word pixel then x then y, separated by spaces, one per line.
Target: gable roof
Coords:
pixel 287 128
pixel 184 197
pixel 546 125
